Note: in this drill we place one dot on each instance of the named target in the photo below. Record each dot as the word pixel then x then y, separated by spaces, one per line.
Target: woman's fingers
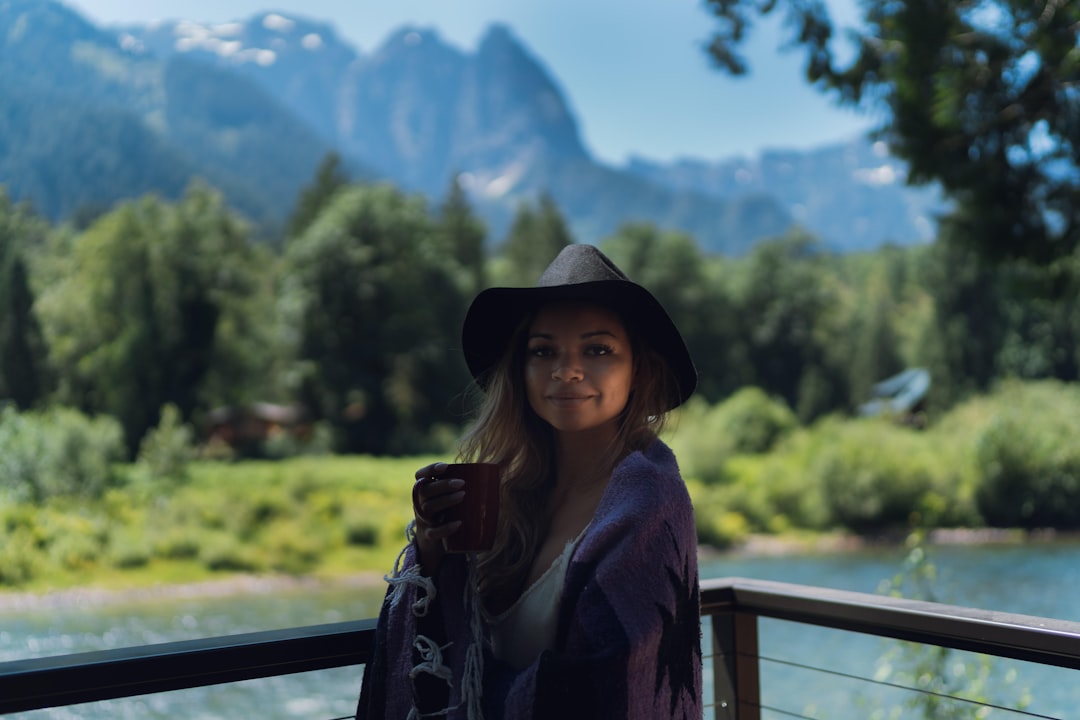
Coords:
pixel 430 471
pixel 433 496
pixel 430 507
pixel 438 532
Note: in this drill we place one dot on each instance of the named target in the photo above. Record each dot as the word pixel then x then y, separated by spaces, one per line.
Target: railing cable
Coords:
pixel 908 688
pixel 786 712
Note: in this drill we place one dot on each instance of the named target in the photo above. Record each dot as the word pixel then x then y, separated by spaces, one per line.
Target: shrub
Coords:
pixel 177 542
pixel 129 548
pixel 775 492
pixel 873 473
pixel 1028 457
pixel 71 540
pixel 223 552
pixel 362 533
pixel 57 453
pixel 292 547
pixel 18 557
pixel 716 524
pixel 166 450
pixel 749 422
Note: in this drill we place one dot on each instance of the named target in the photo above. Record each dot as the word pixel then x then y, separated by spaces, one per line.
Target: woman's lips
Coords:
pixel 568 400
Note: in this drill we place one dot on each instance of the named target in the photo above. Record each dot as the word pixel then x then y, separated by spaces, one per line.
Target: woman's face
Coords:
pixel 579 367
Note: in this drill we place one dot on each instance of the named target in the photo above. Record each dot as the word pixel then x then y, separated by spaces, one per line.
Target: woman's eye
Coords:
pixel 599 350
pixel 540 351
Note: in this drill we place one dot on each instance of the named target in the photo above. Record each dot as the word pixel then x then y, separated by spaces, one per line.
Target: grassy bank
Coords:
pixel 327 516
pixel 1006 460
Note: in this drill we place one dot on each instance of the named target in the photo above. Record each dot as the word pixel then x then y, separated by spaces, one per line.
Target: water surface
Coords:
pixel 1035 579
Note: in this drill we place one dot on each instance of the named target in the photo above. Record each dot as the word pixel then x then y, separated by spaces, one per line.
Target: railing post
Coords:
pixel 735 666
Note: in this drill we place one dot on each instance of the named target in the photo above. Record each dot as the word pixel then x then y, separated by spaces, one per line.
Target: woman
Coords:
pixel 587 606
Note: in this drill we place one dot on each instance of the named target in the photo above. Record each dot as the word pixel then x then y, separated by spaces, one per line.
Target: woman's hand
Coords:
pixel 432 496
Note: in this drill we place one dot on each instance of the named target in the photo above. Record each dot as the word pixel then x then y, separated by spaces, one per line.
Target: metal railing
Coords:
pixel 733 605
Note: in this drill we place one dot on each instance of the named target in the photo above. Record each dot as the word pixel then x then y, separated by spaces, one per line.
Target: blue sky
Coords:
pixel 634 71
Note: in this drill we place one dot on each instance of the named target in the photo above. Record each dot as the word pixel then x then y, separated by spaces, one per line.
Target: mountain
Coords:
pixel 421 112
pixel 88 120
pixel 851 194
pixel 253 105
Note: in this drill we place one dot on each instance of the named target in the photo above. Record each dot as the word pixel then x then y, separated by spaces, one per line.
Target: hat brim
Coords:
pixel 496 312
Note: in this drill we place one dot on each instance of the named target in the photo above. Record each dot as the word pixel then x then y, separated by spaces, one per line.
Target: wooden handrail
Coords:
pixel 1020 637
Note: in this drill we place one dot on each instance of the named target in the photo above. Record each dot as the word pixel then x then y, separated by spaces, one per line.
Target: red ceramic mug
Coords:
pixel 478 511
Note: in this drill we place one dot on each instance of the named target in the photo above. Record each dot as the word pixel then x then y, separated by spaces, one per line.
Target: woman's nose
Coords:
pixel 567 369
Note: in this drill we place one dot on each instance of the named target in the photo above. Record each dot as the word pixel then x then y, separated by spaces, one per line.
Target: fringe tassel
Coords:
pixel 472 683
pixel 431 654
pixel 401 579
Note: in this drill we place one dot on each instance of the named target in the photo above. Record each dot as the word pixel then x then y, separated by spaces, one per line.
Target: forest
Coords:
pixel 123 337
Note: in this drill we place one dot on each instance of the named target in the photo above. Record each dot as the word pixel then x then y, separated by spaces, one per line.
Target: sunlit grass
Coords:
pixel 325 517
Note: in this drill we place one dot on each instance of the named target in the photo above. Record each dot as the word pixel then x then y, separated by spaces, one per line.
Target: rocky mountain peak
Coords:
pixel 253 105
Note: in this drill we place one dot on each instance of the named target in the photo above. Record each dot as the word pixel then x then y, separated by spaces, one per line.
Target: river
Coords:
pixel 1035 578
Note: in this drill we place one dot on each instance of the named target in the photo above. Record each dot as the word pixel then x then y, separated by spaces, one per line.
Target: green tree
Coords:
pixel 535 238
pixel 465 236
pixel 330 177
pixel 783 304
pixel 673 267
pixel 980 97
pixel 371 296
pixel 23 356
pixel 966 333
pixel 876 353
pixel 135 309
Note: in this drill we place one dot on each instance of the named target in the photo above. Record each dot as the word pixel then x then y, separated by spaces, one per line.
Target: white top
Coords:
pixel 527 628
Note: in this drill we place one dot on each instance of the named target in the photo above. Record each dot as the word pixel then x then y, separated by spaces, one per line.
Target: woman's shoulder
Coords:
pixel 645 500
pixel 647 478
pixel 654 465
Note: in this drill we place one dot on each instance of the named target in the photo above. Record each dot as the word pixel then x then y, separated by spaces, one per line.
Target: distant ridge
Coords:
pixel 254 105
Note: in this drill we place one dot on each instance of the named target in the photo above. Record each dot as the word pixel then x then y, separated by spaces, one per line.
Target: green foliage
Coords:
pixel 876 350
pixel 944 682
pixel 329 178
pixel 535 238
pixel 716 524
pixel 23 371
pixel 748 422
pixel 783 306
pixel 1028 457
pixel 305 515
pixel 874 473
pixel 57 453
pixel 863 475
pixel 166 450
pixel 967 329
pixel 137 311
pixel 943 70
pixel 373 306
pixel 752 422
pixel 676 271
pixel 465 237
pixel 343 514
pixel 128 548
pixel 156 304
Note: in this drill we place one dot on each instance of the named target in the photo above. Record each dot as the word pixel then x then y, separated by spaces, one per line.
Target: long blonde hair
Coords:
pixel 509 433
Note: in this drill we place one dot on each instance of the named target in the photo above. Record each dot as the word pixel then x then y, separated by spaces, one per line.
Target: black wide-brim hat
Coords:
pixel 584 274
